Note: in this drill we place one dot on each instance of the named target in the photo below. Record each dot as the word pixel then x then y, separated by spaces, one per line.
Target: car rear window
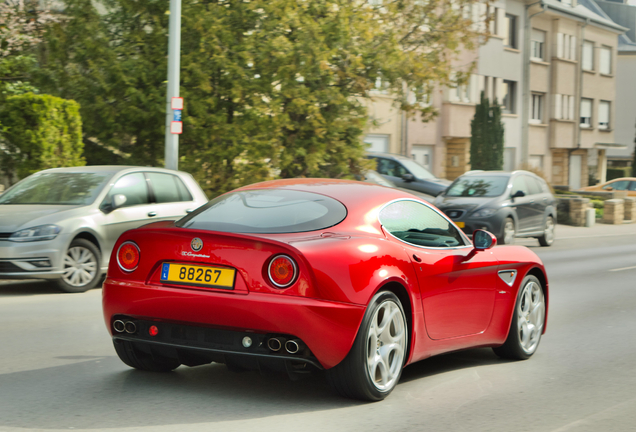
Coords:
pixel 267 211
pixel 478 186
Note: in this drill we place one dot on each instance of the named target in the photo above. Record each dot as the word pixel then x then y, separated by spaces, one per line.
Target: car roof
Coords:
pixel 387 155
pixel 498 173
pixel 109 169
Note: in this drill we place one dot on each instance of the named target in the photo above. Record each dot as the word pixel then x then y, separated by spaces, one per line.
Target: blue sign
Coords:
pixel 165 269
pixel 177 115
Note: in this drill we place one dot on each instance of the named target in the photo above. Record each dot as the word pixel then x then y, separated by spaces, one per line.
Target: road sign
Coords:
pixel 177 115
pixel 176 127
pixel 177 103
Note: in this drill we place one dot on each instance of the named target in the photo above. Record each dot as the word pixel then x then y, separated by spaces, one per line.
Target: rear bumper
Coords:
pixel 327 328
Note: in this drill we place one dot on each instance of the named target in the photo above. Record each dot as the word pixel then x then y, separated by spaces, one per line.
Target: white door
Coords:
pixel 575 172
pixel 423 154
pixel 377 142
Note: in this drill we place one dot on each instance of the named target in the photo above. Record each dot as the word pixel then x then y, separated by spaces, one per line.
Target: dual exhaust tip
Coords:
pixel 128 326
pixel 292 346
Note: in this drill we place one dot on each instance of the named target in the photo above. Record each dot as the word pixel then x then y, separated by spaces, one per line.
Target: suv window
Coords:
pixel 133 187
pixel 168 188
pixel 419 225
pixel 519 184
pixel 533 185
pixel 268 211
pixel 390 167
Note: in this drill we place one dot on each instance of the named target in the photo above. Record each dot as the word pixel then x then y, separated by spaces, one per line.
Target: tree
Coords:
pixel 41 131
pixel 273 88
pixel 487 136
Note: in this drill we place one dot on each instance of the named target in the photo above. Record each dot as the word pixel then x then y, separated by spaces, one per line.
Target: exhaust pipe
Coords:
pixel 274 344
pixel 292 346
pixel 119 326
pixel 131 327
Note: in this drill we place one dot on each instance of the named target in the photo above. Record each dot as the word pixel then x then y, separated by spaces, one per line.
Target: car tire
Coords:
pixel 374 365
pixel 548 233
pixel 81 265
pixel 137 359
pixel 508 232
pixel 527 322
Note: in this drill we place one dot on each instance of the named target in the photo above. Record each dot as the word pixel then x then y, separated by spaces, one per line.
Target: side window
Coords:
pixel 519 184
pixel 533 185
pixel 168 188
pixel 133 187
pixel 619 185
pixel 632 186
pixel 390 168
pixel 419 225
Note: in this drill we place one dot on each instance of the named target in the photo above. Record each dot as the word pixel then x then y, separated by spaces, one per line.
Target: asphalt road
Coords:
pixel 58 370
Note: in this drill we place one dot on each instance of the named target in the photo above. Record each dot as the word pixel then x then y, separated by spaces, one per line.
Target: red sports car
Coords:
pixel 351 278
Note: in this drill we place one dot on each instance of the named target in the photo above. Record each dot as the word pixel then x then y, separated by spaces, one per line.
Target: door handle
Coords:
pixel 531 201
pixel 416 258
pixel 152 214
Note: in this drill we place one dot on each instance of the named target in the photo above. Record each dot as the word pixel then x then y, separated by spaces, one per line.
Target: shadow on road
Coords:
pixel 102 393
pixel 26 287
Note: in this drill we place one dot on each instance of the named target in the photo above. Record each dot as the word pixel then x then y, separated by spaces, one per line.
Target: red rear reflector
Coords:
pixel 128 256
pixel 153 331
pixel 282 271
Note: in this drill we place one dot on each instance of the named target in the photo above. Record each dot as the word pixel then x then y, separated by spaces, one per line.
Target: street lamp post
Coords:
pixel 174 54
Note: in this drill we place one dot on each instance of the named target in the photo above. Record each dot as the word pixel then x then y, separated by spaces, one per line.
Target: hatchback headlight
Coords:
pixel 482 213
pixel 38 233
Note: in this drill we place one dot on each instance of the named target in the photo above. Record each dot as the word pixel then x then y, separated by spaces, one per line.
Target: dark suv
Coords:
pixel 508 204
pixel 408 174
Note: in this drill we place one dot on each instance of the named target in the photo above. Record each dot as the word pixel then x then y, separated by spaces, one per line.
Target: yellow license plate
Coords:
pixel 460 224
pixel 198 275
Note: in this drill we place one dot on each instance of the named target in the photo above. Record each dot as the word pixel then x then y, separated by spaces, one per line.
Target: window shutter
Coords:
pixel 557 106
pixel 501 90
pixel 571 108
pixel 603 113
pixel 572 47
pixel 559 40
pixel 474 88
pixel 588 55
pixel 501 16
pixel 606 61
pixel 586 108
pixel 566 46
pixel 565 107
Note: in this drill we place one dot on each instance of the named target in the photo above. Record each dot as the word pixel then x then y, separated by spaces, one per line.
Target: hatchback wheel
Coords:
pixel 81 267
pixel 373 367
pixel 548 233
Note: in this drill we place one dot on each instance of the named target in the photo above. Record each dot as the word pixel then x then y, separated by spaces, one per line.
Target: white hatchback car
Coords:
pixel 62 223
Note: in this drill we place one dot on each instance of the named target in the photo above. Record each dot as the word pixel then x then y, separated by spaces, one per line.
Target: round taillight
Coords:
pixel 282 271
pixel 128 256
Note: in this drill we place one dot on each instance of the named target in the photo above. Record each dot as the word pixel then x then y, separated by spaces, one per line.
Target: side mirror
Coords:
pixel 408 177
pixel 518 194
pixel 483 240
pixel 609 188
pixel 118 201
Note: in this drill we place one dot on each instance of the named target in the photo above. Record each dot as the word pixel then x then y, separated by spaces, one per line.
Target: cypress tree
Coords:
pixel 487 136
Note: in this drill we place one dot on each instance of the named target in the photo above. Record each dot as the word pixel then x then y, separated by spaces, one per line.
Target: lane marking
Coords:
pixel 624 268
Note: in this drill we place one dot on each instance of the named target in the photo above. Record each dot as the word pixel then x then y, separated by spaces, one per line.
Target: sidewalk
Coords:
pixel 598 230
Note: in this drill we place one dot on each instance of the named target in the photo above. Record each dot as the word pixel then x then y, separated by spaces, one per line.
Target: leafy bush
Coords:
pixel 40 131
pixel 613 173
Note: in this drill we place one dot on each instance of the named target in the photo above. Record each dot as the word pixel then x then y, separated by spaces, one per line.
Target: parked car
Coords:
pixel 352 278
pixel 373 177
pixel 62 223
pixel 508 204
pixel 408 174
pixel 620 184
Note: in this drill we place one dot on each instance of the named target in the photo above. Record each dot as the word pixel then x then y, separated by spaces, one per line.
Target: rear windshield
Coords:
pixel 478 186
pixel 267 211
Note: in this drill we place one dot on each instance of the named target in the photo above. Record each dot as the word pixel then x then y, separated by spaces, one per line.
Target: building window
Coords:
pixel 586 113
pixel 566 46
pixel 563 107
pixel 588 55
pixel 538 45
pixel 536 108
pixel 508 98
pixel 606 61
pixel 603 115
pixel 510 36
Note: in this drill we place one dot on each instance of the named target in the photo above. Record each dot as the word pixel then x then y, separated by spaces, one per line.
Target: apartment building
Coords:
pixel 569 56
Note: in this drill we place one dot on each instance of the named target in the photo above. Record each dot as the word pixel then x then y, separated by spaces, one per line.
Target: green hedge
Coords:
pixel 613 173
pixel 39 132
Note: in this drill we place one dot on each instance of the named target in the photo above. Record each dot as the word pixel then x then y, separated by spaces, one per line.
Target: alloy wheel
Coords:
pixel 386 345
pixel 530 316
pixel 80 266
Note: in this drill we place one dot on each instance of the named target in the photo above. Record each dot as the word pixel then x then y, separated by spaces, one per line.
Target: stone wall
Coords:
pixel 613 213
pixel 578 209
pixel 630 209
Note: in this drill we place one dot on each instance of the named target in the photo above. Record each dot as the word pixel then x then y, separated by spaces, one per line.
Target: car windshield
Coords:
pixel 57 188
pixel 478 186
pixel 267 211
pixel 416 169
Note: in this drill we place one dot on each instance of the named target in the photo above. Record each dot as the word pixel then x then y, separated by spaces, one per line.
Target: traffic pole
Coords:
pixel 174 54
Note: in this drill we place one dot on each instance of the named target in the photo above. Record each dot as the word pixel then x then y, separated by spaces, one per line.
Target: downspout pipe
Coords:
pixel 525 99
